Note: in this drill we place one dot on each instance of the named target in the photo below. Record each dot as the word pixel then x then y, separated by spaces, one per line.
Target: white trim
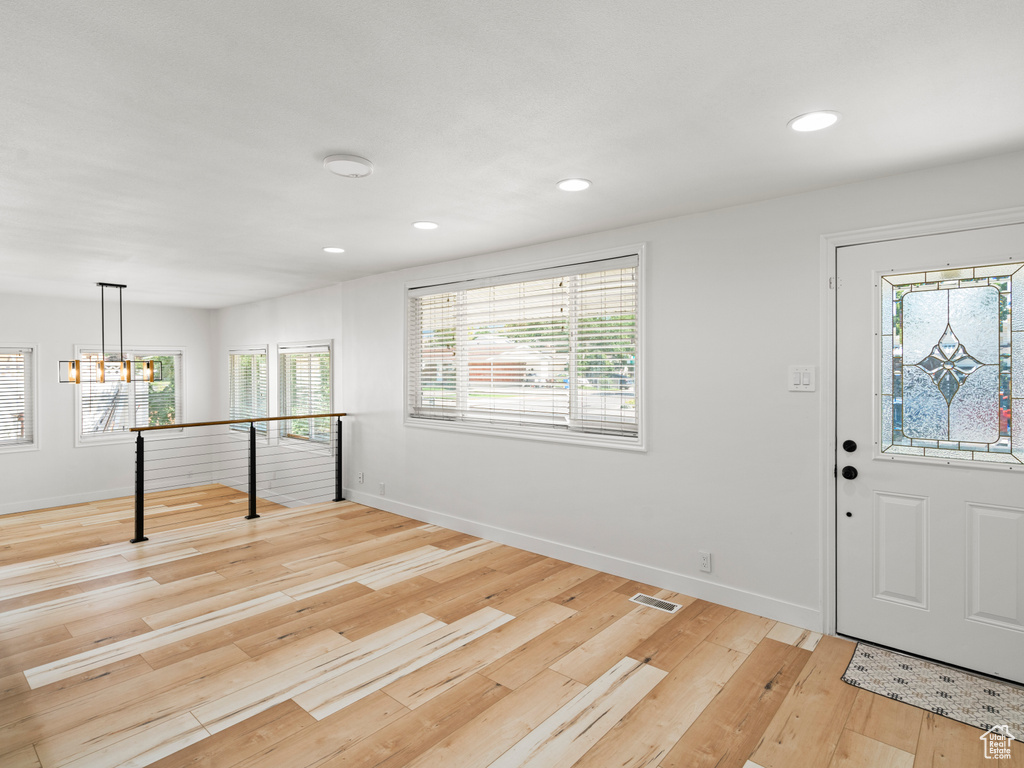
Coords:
pixel 254 350
pixel 545 434
pixel 30 505
pixel 625 259
pixel 980 220
pixel 527 267
pixel 827 437
pixel 304 346
pixel 274 397
pixel 516 274
pixel 829 244
pixel 743 600
pixel 34 394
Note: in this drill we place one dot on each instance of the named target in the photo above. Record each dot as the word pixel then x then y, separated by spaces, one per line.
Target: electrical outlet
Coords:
pixel 705 561
pixel 382 489
pixel 359 477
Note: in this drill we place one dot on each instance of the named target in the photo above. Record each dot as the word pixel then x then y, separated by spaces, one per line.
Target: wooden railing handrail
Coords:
pixel 238 421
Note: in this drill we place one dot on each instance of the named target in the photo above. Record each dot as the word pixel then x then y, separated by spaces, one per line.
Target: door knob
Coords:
pixel 849 446
pixel 850 473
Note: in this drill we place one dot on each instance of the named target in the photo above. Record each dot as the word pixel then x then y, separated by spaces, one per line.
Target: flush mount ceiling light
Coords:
pixel 814 121
pixel 333 249
pixel 349 166
pixel 573 185
pixel 425 224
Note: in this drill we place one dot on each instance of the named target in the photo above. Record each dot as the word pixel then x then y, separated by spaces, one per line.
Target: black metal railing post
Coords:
pixel 140 490
pixel 252 472
pixel 338 490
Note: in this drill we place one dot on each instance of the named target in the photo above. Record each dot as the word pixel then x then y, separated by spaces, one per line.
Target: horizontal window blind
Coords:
pixel 553 349
pixel 16 388
pixel 305 388
pixel 105 406
pixel 248 387
pixel 116 406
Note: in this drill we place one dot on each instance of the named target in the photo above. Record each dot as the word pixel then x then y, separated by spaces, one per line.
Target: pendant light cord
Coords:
pixel 120 321
pixel 103 325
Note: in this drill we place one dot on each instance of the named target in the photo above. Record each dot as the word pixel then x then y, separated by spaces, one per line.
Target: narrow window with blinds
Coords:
pixel 17 409
pixel 113 406
pixel 248 387
pixel 304 388
pixel 548 352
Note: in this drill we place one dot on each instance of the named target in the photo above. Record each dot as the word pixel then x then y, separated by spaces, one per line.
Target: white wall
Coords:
pixel 734 460
pixel 313 316
pixel 734 463
pixel 58 473
pixel 302 317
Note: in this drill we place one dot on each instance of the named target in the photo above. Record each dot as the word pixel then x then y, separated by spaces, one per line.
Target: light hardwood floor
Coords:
pixel 340 635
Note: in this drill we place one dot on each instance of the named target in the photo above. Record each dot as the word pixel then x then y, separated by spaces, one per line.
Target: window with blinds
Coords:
pixel 17 409
pixel 550 351
pixel 304 388
pixel 248 387
pixel 114 406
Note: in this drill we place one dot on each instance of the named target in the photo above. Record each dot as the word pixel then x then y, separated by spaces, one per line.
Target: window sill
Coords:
pixel 541 434
pixel 100 438
pixel 19 447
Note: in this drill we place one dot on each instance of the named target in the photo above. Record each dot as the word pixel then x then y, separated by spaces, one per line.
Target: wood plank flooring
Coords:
pixel 341 635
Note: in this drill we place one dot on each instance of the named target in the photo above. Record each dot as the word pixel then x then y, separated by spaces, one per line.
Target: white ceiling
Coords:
pixel 176 145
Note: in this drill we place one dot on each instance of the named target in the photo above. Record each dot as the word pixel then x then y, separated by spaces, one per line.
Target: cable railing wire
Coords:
pixel 268 465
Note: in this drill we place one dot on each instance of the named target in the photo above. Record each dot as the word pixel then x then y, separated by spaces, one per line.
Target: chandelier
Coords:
pixel 74 371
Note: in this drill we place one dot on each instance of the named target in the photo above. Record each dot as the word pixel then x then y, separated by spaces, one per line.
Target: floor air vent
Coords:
pixel 653 602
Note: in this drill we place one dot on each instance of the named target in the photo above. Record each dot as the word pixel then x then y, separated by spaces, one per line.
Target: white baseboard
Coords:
pixel 743 600
pixel 62 501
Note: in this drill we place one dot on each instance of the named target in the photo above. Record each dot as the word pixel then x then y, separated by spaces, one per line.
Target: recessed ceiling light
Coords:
pixel 573 185
pixel 814 121
pixel 425 224
pixel 349 166
pixel 333 249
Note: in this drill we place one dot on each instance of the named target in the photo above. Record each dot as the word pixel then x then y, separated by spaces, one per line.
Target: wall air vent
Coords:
pixel 653 602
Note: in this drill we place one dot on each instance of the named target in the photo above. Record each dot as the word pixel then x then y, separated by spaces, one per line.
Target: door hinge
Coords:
pixel 835 470
pixel 834 282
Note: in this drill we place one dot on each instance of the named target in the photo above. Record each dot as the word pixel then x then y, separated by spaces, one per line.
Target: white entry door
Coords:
pixel 930 407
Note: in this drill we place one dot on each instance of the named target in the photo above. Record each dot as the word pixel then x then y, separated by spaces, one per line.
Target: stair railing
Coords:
pixel 334 451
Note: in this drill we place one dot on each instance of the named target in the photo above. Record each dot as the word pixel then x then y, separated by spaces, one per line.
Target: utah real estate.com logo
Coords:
pixel 997 742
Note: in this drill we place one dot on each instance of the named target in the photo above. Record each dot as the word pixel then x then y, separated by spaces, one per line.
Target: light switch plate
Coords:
pixel 803 378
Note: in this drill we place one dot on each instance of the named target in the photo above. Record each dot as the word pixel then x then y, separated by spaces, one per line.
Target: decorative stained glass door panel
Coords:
pixel 947 347
pixel 930 529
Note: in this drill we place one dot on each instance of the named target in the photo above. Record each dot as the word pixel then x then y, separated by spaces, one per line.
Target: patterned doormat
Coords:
pixel 958 695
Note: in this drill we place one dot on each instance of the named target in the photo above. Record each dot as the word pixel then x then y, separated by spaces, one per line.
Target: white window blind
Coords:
pixel 248 387
pixel 17 411
pixel 304 389
pixel 551 350
pixel 115 406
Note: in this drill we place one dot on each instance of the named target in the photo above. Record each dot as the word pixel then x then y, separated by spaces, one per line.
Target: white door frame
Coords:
pixel 829 357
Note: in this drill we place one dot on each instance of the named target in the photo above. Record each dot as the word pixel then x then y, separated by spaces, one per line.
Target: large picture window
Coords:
pixel 552 351
pixel 248 386
pixel 17 409
pixel 304 379
pixel 114 406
